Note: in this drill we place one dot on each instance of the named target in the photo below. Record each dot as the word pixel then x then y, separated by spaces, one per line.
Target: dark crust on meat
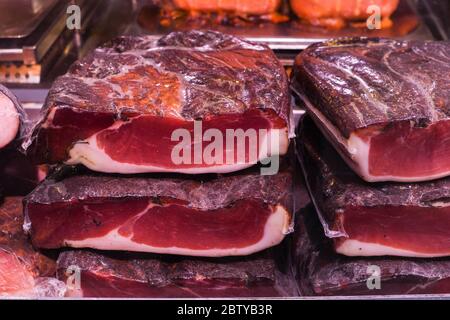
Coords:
pixel 191 75
pixel 319 270
pixel 13 239
pixel 358 83
pixel 160 271
pixel 22 115
pixel 335 186
pixel 207 193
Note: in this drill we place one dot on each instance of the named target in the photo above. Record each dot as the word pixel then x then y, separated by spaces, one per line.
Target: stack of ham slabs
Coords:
pixel 377 163
pixel 125 111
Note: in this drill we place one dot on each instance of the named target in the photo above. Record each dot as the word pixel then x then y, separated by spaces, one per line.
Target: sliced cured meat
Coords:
pixel 225 216
pixel 336 13
pixel 320 271
pixel 24 272
pixel 18 176
pixel 121 275
pixel 258 7
pixel 375 219
pixel 131 107
pixel 384 104
pixel 11 117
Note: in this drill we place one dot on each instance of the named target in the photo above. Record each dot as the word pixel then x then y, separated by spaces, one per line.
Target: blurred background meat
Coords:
pixel 257 7
pixel 336 13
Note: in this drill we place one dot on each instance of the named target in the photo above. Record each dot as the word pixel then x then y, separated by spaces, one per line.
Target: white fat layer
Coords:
pixel 88 153
pixel 354 248
pixel 9 120
pixel 277 226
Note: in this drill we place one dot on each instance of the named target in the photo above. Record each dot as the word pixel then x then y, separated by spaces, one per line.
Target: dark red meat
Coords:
pixel 405 219
pixel 230 215
pixel 116 110
pixel 147 276
pixel 12 117
pixel 320 271
pixel 384 104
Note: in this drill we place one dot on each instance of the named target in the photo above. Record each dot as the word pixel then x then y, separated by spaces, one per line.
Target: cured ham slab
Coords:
pixel 127 106
pixel 11 117
pixel 374 219
pixel 384 104
pixel 24 272
pixel 149 276
pixel 320 271
pixel 224 216
pixel 337 13
pixel 258 7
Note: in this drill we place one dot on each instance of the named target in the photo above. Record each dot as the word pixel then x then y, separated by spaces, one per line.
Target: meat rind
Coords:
pixel 125 275
pixel 321 272
pixel 362 82
pixel 182 77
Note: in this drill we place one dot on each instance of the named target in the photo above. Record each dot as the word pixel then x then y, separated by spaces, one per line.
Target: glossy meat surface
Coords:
pixel 144 90
pixel 257 7
pixel 404 219
pixel 147 276
pixel 213 216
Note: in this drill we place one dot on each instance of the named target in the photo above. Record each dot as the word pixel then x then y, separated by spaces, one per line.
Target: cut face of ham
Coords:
pixel 335 13
pixel 225 216
pixel 122 108
pixel 398 219
pixel 123 275
pixel 24 272
pixel 383 104
pixel 11 115
pixel 257 7
pixel 322 272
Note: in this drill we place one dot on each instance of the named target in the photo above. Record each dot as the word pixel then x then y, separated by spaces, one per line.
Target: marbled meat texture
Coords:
pixel 149 276
pixel 402 219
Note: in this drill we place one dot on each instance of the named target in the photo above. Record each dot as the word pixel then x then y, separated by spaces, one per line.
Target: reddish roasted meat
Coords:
pixel 130 107
pixel 24 272
pixel 12 117
pixel 384 104
pixel 224 216
pixel 121 275
pixel 321 272
pixel 337 13
pixel 256 7
pixel 374 219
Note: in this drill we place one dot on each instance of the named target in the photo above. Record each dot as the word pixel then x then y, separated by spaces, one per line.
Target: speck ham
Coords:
pixel 383 104
pixel 12 117
pixel 24 271
pixel 320 271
